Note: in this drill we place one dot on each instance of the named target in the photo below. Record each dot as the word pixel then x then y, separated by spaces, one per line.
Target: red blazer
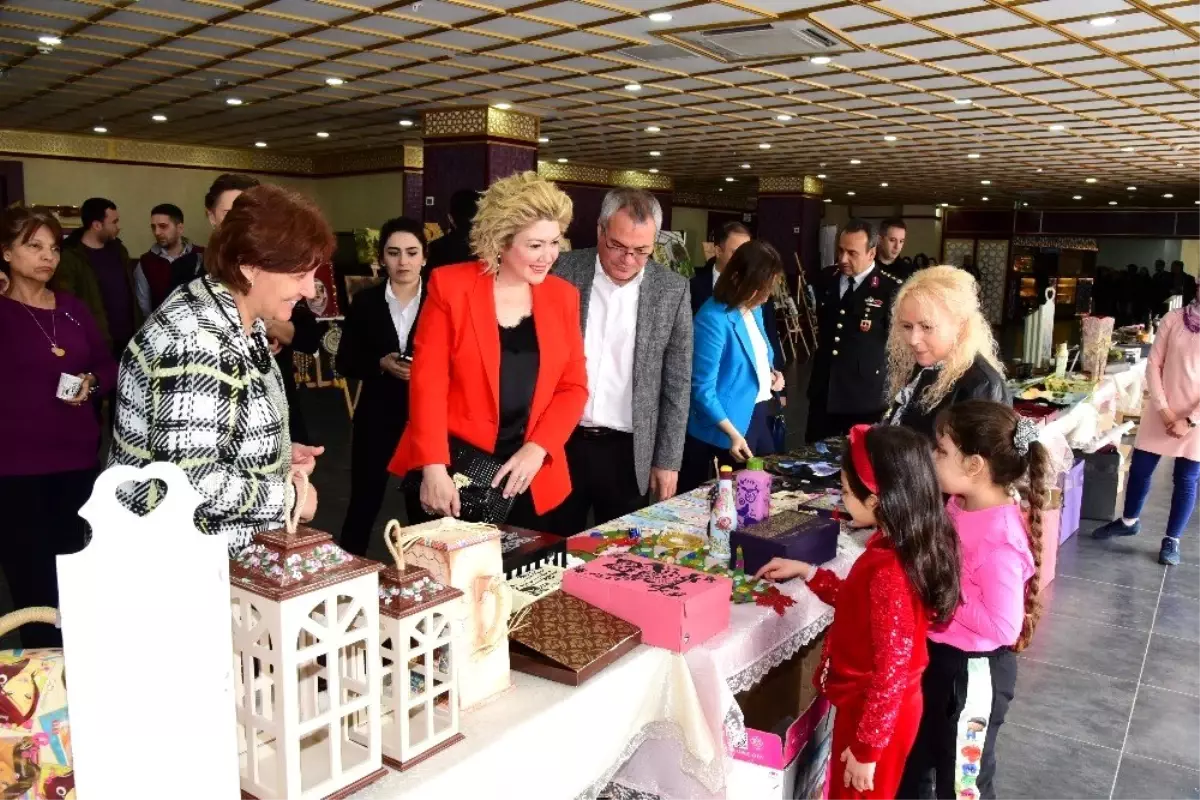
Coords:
pixel 455 386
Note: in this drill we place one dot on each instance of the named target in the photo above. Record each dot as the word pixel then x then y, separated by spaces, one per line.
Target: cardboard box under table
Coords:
pixel 788 534
pixel 562 638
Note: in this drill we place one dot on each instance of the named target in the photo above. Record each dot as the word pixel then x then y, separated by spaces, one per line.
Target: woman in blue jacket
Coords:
pixel 732 378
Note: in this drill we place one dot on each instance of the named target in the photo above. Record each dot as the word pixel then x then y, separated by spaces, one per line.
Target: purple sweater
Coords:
pixel 42 434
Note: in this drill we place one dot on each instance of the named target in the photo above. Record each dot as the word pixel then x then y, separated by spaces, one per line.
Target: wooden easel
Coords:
pixel 808 332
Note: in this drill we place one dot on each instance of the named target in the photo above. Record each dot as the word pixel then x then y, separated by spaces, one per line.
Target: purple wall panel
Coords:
pixel 414 195
pixel 449 168
pixel 508 159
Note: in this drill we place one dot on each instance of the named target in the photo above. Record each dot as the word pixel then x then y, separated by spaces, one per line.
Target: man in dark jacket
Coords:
pixel 455 246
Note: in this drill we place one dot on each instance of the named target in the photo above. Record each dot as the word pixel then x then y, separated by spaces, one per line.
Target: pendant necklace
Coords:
pixel 53 340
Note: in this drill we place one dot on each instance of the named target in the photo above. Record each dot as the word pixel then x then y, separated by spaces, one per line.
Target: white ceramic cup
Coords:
pixel 68 386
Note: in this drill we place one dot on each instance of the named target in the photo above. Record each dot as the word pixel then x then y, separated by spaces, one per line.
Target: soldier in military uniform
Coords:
pixel 854 305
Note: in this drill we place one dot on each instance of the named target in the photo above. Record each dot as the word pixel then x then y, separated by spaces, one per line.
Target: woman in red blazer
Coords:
pixel 498 357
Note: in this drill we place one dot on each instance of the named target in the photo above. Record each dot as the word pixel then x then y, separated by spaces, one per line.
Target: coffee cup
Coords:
pixel 68 386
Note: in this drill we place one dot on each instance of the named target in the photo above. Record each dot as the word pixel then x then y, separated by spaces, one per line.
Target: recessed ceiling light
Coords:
pixel 543 140
pixel 889 138
pixel 1039 169
pixel 729 180
pixel 322 134
pixel 1024 205
pixel 1112 202
pixel 986 183
pixel 745 166
pixel 406 123
pixel 1077 197
pixel 884 184
pixel 100 129
pixel 1126 149
pixel 764 146
pixel 233 101
pixel 660 16
pixel 633 87
pixel 1131 188
pixel 820 60
pixel 1168 195
pixel 1103 22
pixel 503 106
pixel 656 153
pixel 654 170
pixel 1057 127
pixel 50 41
pixel 984 199
pixel 945 205
pixel 827 200
pixel 260 144
pixel 335 81
pixel 850 193
pixel 855 161
pixel 159 118
pixel 972 155
pixel 653 129
pixel 821 175
pixel 1089 180
pixel 962 101
pixel 784 117
pixel 720 190
pixel 562 161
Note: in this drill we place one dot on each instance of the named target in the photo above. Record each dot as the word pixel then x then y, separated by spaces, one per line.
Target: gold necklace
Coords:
pixel 53 340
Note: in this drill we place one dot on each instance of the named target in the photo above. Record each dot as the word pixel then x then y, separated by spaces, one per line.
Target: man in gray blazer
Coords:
pixel 637 328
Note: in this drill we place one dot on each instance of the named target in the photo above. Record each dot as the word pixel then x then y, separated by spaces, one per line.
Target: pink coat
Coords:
pixel 1173 375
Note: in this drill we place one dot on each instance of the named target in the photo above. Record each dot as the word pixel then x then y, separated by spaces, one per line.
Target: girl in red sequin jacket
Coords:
pixel 908 577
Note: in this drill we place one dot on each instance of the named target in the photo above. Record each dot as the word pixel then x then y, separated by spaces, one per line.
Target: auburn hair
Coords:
pixel 986 429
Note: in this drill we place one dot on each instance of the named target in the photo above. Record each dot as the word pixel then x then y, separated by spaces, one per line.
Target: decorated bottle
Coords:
pixel 723 521
pixel 753 493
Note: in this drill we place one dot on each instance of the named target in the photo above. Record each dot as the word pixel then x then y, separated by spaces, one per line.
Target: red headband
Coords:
pixel 858 455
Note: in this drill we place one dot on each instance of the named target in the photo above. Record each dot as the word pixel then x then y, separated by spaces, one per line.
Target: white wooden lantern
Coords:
pixel 421 648
pixel 306 654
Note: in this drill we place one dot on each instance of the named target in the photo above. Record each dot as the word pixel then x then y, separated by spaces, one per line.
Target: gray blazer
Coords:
pixel 662 359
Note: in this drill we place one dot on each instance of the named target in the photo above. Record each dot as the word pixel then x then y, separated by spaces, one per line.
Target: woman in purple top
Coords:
pixel 50 456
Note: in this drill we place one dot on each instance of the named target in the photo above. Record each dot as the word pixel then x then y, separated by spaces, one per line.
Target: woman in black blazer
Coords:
pixel 376 348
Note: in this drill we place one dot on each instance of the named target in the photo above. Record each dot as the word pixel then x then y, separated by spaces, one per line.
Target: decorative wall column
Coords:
pixel 469 148
pixel 586 185
pixel 789 217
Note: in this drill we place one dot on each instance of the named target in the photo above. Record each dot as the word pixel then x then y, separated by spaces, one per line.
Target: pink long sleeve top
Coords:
pixel 996 563
pixel 1173 377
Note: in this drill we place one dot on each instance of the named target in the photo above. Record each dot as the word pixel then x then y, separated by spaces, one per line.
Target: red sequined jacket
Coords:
pixel 875 649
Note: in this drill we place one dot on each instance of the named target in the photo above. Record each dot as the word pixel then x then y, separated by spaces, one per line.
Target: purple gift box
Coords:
pixel 1071 484
pixel 788 534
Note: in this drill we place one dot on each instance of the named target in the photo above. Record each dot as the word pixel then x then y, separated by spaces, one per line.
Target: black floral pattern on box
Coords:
pixel 664 579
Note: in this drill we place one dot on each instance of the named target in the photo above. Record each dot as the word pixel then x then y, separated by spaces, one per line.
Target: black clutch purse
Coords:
pixel 473 471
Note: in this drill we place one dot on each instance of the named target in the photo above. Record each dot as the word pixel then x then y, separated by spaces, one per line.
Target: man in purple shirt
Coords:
pixel 95 266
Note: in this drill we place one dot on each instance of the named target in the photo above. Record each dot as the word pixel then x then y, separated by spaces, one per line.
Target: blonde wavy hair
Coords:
pixel 949 297
pixel 509 206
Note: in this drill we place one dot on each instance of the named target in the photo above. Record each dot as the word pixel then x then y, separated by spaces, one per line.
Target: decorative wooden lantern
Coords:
pixel 306 658
pixel 421 647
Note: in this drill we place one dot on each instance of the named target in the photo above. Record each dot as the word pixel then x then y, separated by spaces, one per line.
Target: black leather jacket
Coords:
pixel 981 381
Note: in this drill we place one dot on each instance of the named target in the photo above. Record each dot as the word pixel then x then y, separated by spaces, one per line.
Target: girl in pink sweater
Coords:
pixel 986 457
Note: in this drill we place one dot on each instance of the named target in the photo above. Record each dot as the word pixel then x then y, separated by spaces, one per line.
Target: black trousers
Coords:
pixel 698 455
pixel 937 759
pixel 823 424
pixel 603 480
pixel 372 445
pixel 40 521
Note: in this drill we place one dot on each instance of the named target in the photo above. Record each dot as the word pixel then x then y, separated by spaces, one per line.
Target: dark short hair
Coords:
pixel 400 225
pixel 1176 263
pixel 463 205
pixel 1158 261
pixel 95 209
pixel 230 181
pixel 272 228
pixel 19 224
pixel 753 269
pixel 168 210
pixel 729 229
pixel 857 225
pixel 891 222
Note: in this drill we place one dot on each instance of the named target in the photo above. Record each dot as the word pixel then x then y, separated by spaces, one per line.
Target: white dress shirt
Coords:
pixel 403 316
pixel 857 279
pixel 608 341
pixel 762 364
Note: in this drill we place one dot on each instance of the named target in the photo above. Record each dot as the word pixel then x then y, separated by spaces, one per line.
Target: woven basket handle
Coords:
pixel 11 621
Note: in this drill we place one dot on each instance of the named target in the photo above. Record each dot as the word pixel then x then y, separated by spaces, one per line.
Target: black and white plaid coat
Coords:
pixel 189 392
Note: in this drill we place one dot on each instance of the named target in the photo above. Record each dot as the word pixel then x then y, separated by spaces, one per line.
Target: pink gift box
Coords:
pixel 676 608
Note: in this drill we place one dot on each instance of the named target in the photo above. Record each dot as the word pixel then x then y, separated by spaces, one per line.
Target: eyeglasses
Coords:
pixel 621 251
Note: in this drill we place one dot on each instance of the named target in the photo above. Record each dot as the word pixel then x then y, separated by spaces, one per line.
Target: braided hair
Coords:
pixel 988 429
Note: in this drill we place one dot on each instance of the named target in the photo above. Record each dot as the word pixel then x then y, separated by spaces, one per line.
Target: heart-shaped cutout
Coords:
pixel 141 497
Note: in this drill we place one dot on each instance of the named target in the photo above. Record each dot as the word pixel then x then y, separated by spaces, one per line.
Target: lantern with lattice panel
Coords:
pixel 306 657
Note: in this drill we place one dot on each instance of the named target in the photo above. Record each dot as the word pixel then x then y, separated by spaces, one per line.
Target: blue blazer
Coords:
pixel 724 380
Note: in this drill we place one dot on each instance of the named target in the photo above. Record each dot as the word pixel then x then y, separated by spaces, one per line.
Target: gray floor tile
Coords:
pixel 1179 616
pixel 1088 646
pixel 1122 561
pixel 1171 664
pixel 1166 726
pixel 1033 764
pixel 1100 602
pixel 1184 580
pixel 1141 779
pixel 1068 703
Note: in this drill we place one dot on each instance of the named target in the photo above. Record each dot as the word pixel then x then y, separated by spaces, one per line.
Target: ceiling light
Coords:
pixel 729 180
pixel 764 146
pixel 972 155
pixel 1126 149
pixel 159 118
pixel 260 144
pixel 406 123
pixel 100 129
pixel 1039 169
pixel 633 87
pixel 653 129
pixel 656 153
pixel 543 140
pixel 1024 205
pixel 821 175
pixel 827 200
pixel 945 205
pixel 562 161
pixel 50 41
pixel 1089 180
pixel 1077 197
pixel 1058 127
pixel 660 16
pixel 322 135
pixel 889 138
pixel 855 161
pixel 720 190
pixel 654 170
pixel 335 81
pixel 850 193
pixel 986 183
pixel 503 106
pixel 1112 202
pixel 784 117
pixel 1168 195
pixel 820 60
pixel 984 199
pixel 884 184
pixel 962 101
pixel 233 101
pixel 745 166
pixel 1131 188
pixel 1103 22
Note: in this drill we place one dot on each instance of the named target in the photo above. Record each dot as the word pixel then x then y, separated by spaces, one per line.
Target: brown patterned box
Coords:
pixel 562 638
